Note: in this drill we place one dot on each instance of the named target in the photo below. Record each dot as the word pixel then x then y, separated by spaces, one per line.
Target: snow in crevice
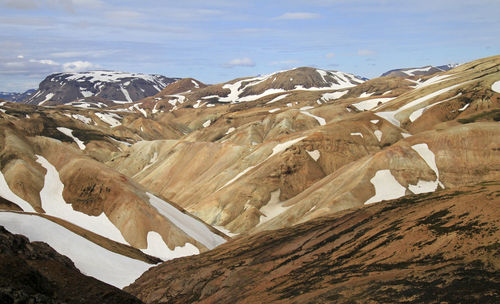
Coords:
pixel 274 110
pixel 430 159
pixel 386 187
pixel 158 248
pixel 277 98
pixel 357 134
pixel 391 115
pixel 320 120
pixel 54 204
pixel 276 150
pixel 207 123
pixel 378 134
pixel 111 119
pixel 416 114
pixel 273 208
pixel 69 133
pixel 186 223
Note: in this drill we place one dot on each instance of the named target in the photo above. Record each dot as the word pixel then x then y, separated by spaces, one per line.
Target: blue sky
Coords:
pixel 216 41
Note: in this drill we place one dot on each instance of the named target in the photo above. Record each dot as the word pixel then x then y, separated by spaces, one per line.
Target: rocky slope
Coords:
pixel 430 248
pixel 110 87
pixel 33 272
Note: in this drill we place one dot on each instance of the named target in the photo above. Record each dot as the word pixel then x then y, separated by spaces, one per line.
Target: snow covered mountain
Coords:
pixel 110 86
pixel 259 87
pixel 421 71
pixel 16 97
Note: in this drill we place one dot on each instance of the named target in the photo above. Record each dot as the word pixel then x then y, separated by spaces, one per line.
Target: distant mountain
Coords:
pixel 254 88
pixel 16 97
pixel 422 71
pixel 116 87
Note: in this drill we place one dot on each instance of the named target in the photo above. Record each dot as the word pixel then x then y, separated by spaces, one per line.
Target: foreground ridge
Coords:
pixel 424 248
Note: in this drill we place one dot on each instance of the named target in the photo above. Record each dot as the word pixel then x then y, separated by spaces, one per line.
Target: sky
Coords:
pixel 216 41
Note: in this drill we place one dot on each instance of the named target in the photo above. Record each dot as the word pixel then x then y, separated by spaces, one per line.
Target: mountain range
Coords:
pixel 303 185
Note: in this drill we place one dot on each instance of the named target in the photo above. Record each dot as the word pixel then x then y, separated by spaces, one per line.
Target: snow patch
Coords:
pixel 334 95
pixel 277 98
pixel 111 119
pixel 365 94
pixel 207 123
pixel 47 98
pixel 430 159
pixel 357 133
pixel 192 227
pixel 273 208
pixel 90 258
pixel 314 154
pixel 371 103
pixel 496 86
pixel 158 248
pixel 378 134
pixel 320 120
pixel 274 110
pixel 69 133
pixel 391 115
pixel 54 204
pixel 386 187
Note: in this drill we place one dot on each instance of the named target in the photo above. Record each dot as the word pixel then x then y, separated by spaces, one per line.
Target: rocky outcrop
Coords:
pixel 440 247
pixel 33 272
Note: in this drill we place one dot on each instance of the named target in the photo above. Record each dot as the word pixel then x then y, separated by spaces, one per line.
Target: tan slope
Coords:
pixel 462 94
pixel 460 157
pixel 90 188
pixel 413 250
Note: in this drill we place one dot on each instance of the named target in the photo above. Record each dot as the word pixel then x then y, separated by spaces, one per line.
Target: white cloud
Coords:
pixel 298 16
pixel 44 61
pixel 245 61
pixel 285 62
pixel 366 52
pixel 20 57
pixel 19 4
pixel 330 55
pixel 78 66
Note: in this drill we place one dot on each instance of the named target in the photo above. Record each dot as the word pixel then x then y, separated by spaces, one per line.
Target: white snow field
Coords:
pixel 386 187
pixel 90 258
pixel 273 208
pixel 191 226
pixel 54 204
pixel 158 248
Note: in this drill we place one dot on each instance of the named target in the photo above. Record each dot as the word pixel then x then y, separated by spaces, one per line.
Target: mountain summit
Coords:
pixel 116 87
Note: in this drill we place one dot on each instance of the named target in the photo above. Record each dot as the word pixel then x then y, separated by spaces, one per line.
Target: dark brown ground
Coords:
pixel 36 273
pixel 432 248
